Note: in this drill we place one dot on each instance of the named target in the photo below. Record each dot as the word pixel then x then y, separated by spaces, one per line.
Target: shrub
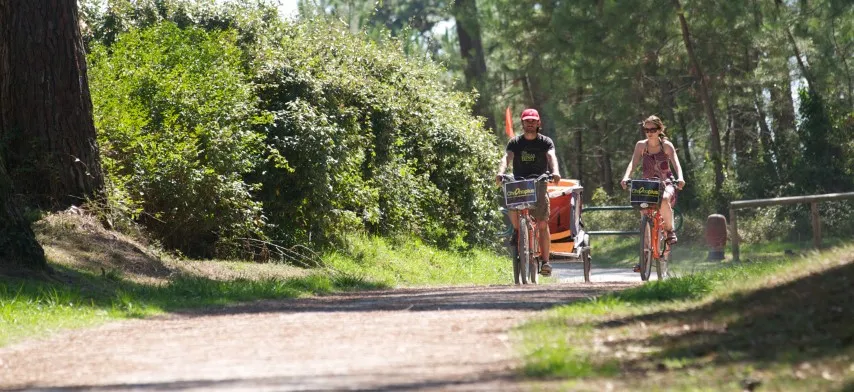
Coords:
pixel 174 112
pixel 371 140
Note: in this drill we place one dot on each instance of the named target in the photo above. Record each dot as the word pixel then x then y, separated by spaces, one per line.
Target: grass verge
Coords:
pixel 406 262
pixel 778 324
pixel 104 276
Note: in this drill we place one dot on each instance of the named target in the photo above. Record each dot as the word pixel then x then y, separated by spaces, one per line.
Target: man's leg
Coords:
pixel 545 240
pixel 514 219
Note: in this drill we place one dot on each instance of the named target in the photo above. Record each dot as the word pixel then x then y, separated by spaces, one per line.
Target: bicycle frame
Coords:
pixel 657 230
pixel 653 249
pixel 528 220
pixel 527 247
pixel 526 267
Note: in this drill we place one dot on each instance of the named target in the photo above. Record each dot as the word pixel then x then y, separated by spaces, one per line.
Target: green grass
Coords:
pixel 622 252
pixel 408 262
pixel 30 308
pixel 687 257
pixel 35 308
pixel 783 321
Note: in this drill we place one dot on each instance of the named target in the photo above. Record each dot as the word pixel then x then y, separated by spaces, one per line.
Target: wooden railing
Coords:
pixel 815 218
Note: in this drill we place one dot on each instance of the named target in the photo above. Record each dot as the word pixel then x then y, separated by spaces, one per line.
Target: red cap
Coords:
pixel 530 114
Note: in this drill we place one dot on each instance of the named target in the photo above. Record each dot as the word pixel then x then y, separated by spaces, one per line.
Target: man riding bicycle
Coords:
pixel 532 154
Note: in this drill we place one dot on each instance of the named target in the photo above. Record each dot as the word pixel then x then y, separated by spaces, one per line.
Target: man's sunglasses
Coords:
pixel 650 130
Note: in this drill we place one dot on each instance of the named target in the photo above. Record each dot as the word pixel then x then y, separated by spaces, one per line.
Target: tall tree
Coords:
pixel 18 246
pixel 51 151
pixel 708 105
pixel 471 49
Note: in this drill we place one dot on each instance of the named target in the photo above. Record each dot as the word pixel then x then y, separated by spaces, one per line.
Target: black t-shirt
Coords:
pixel 529 156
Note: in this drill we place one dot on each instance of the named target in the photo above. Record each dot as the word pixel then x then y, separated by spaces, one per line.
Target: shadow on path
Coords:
pixel 531 298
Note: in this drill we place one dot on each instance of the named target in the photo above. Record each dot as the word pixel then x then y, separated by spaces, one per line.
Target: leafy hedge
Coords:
pixel 372 140
pixel 174 111
pixel 259 129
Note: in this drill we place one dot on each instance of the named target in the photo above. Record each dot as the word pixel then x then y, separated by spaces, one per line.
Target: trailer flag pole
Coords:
pixel 508 124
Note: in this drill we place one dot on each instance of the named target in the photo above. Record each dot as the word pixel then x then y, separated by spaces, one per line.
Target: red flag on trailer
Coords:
pixel 508 124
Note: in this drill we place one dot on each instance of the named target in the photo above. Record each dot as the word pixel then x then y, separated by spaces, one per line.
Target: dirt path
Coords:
pixel 414 339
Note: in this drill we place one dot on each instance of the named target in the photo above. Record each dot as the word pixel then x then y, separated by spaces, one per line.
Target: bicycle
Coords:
pixel 646 195
pixel 521 196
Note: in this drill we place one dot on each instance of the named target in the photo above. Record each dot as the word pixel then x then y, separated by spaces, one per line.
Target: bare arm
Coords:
pixel 502 165
pixel 551 157
pixel 636 156
pixel 674 160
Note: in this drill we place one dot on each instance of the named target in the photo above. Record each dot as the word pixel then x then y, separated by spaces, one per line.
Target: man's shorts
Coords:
pixel 541 208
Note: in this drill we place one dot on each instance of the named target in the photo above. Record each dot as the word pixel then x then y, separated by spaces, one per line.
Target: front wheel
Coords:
pixel 646 248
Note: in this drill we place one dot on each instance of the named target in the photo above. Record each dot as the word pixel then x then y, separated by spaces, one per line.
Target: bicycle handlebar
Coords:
pixel 545 177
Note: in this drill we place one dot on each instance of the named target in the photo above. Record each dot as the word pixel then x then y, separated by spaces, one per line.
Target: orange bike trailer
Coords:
pixel 565 226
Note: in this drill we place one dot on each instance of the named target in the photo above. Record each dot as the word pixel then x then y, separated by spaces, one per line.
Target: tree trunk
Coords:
pixel 680 139
pixel 471 50
pixel 785 134
pixel 685 152
pixel 769 149
pixel 708 105
pixel 606 171
pixel 45 107
pixel 18 246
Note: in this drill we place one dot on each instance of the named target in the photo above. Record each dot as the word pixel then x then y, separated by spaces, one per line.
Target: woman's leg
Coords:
pixel 666 210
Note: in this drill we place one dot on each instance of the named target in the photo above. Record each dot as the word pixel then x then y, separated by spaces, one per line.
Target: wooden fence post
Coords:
pixel 816 225
pixel 734 233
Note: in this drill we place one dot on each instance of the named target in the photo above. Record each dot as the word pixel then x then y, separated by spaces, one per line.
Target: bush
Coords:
pixel 368 139
pixel 341 134
pixel 175 113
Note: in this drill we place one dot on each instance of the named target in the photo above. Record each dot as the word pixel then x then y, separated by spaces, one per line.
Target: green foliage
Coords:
pixel 822 162
pixel 174 111
pixel 624 220
pixel 372 140
pixel 341 134
pixel 407 261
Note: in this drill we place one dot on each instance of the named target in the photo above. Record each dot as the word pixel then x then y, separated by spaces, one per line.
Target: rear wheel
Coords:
pixel 586 259
pixel 517 270
pixel 645 248
pixel 533 273
pixel 664 249
pixel 524 259
pixel 534 265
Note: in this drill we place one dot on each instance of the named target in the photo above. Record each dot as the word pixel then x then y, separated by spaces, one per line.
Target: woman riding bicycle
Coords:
pixel 658 156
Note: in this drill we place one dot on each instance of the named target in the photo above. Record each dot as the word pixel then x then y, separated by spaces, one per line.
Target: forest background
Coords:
pixel 224 129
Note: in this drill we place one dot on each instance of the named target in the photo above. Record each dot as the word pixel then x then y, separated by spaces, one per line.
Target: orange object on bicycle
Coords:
pixel 646 195
pixel 521 195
